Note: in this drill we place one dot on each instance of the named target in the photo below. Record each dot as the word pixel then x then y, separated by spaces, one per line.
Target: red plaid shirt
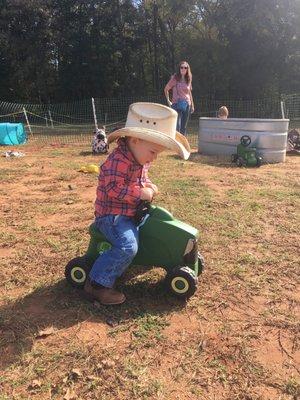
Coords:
pixel 119 184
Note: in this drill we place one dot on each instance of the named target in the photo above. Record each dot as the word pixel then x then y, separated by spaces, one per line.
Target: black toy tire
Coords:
pixel 181 282
pixel 234 158
pixel 77 270
pixel 240 162
pixel 259 162
pixel 201 263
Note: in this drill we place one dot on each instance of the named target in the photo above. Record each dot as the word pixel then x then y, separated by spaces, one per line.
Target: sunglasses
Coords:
pixel 182 67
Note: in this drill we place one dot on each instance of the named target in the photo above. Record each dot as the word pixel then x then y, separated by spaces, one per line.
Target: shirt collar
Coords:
pixel 124 149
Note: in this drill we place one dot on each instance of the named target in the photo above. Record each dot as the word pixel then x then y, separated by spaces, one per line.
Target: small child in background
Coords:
pixel 122 184
pixel 223 112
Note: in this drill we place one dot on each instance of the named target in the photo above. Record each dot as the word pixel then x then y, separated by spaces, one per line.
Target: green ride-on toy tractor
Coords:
pixel 163 241
pixel 246 156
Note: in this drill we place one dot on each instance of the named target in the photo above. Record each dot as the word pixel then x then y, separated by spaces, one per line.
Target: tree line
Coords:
pixel 64 50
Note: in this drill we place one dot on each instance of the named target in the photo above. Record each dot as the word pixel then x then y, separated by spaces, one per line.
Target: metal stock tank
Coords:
pixel 221 136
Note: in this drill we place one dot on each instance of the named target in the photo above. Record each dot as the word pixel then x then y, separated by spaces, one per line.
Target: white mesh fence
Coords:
pixel 292 109
pixel 74 122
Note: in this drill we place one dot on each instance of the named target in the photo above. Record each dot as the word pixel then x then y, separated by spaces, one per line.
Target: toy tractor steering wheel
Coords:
pixel 141 211
pixel 245 140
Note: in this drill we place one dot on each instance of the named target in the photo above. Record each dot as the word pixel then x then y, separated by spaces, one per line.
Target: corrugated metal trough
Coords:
pixel 221 136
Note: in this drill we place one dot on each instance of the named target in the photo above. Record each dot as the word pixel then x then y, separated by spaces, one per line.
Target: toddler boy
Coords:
pixel 123 183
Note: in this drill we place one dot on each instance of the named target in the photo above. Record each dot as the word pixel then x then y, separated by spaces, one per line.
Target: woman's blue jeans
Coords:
pixel 182 119
pixel 122 233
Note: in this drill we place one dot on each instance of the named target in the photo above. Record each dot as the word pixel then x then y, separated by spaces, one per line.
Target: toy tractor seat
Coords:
pixel 93 231
pixel 98 243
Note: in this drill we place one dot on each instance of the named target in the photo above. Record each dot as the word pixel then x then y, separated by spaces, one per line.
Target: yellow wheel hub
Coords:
pixel 180 284
pixel 78 274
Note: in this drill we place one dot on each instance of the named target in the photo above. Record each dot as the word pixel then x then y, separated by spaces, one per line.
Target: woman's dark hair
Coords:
pixel 187 76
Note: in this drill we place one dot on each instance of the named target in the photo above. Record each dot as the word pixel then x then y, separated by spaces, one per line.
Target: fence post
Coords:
pixel 94 113
pixel 51 120
pixel 282 109
pixel 27 120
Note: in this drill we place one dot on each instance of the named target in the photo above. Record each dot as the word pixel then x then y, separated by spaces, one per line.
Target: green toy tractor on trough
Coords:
pixel 163 241
pixel 246 156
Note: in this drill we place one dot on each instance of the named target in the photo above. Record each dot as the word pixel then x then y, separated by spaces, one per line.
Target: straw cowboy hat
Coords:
pixel 154 123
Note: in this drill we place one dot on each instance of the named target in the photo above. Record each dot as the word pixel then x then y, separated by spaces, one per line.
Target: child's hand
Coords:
pixel 147 193
pixel 153 187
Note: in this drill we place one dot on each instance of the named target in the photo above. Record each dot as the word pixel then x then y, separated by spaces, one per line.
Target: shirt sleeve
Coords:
pixel 146 178
pixel 171 83
pixel 116 182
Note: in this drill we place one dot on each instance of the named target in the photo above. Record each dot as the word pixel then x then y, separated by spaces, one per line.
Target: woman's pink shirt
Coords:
pixel 180 90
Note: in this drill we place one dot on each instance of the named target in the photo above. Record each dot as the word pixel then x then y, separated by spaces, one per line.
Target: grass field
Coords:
pixel 237 338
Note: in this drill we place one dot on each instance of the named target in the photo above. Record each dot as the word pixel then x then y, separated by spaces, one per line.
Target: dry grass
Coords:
pixel 236 339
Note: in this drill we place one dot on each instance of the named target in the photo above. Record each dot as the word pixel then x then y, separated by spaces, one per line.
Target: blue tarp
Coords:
pixel 12 134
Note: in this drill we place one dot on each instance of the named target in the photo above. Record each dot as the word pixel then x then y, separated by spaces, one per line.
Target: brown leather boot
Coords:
pixel 106 296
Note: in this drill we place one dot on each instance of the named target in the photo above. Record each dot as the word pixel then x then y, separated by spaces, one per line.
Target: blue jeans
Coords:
pixel 182 119
pixel 122 233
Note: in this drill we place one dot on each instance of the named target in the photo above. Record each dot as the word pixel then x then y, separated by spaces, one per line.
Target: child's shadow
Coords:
pixel 221 161
pixel 60 306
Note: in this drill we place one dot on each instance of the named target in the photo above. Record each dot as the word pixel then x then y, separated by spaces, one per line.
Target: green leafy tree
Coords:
pixel 27 46
pixel 63 50
pixel 260 37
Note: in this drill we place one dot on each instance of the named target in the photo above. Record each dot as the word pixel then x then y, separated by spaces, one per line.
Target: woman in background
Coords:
pixel 182 99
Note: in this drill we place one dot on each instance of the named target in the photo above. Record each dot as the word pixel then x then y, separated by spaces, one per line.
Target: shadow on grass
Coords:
pixel 86 153
pixel 61 306
pixel 216 161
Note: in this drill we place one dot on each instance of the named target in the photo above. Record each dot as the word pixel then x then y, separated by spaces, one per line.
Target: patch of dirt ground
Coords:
pixel 237 338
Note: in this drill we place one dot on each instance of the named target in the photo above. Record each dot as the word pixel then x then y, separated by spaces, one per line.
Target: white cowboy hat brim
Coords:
pixel 180 145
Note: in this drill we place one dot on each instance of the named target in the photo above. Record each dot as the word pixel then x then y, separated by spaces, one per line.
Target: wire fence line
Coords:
pixel 74 122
